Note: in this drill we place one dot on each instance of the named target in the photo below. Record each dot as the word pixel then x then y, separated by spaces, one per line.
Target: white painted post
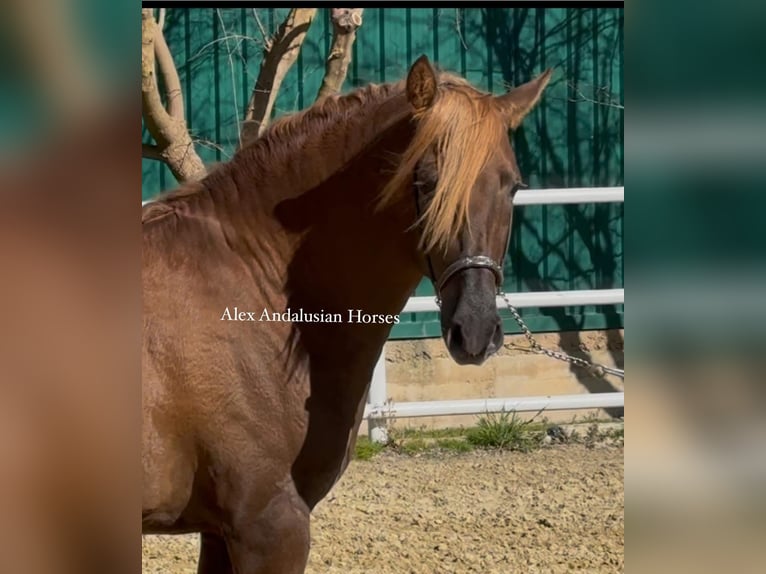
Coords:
pixel 377 398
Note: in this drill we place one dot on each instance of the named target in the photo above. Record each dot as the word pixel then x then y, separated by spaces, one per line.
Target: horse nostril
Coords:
pixel 496 342
pixel 456 336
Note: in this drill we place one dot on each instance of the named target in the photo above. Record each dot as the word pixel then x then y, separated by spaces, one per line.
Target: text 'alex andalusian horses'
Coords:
pixel 337 209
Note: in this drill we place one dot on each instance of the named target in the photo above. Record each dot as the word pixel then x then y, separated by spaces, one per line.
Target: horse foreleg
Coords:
pixel 276 540
pixel 214 556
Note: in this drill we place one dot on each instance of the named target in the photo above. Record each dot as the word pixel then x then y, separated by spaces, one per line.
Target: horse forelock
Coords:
pixel 463 128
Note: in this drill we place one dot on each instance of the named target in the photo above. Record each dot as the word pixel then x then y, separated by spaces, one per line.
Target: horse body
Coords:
pixel 248 424
pixel 247 414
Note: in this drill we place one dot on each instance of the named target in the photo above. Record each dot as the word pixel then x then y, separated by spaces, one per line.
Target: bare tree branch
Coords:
pixel 229 52
pixel 602 96
pixel 457 27
pixel 174 143
pixel 152 109
pixel 345 22
pixel 173 96
pixel 280 53
pixel 264 35
pixel 161 19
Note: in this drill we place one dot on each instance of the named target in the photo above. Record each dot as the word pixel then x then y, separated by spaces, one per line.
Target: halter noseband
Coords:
pixel 469 262
pixel 463 263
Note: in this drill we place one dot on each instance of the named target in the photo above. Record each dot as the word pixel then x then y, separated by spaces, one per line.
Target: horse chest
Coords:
pixel 330 436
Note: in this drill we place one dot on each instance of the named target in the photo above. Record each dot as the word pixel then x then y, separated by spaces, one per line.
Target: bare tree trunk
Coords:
pixel 345 22
pixel 167 126
pixel 280 53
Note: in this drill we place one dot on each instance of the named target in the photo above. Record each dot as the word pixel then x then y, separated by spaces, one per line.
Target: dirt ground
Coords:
pixel 559 509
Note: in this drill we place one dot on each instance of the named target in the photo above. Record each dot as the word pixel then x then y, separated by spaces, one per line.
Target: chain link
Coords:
pixel 593 368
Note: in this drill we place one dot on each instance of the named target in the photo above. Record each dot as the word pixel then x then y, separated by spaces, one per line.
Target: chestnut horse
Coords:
pixel 339 211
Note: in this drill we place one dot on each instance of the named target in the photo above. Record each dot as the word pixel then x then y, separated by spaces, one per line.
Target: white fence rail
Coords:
pixel 379 408
pixel 559 196
pixel 480 406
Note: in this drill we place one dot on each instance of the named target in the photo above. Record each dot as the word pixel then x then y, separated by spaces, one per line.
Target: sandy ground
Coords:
pixel 559 509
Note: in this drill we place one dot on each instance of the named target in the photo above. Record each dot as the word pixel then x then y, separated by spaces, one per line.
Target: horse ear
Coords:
pixel 520 100
pixel 421 84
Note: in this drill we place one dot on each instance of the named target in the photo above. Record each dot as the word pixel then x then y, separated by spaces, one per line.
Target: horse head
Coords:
pixel 464 180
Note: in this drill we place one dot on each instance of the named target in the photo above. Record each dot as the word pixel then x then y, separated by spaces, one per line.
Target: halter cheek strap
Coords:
pixel 462 263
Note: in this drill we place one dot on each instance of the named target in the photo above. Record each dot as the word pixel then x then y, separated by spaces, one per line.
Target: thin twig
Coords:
pixel 231 69
pixel 241 38
pixel 209 144
pixel 457 25
pixel 260 26
pixel 583 98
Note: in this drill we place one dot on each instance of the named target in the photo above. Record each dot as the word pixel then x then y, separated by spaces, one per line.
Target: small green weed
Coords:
pixel 503 430
pixel 454 445
pixel 423 432
pixel 413 446
pixel 366 449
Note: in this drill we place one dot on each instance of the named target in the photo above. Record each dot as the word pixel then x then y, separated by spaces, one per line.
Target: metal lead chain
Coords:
pixel 594 368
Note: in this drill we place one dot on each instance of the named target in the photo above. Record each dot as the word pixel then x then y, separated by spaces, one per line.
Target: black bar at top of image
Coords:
pixel 392 4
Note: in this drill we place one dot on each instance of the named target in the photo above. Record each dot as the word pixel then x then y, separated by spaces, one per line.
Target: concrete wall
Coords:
pixel 422 370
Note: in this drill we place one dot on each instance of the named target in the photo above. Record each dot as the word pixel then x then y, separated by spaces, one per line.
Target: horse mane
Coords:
pixel 283 138
pixel 286 134
pixel 463 127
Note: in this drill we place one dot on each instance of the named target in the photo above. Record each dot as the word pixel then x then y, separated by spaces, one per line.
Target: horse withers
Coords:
pixel 248 420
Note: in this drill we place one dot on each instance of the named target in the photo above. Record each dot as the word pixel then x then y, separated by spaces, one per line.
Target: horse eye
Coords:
pixel 425 187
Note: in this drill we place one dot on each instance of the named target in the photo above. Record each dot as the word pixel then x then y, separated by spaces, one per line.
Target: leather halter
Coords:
pixel 463 263
pixel 469 262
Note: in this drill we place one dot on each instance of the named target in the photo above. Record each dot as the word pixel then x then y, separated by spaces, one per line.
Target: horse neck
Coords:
pixel 311 205
pixel 352 260
pixel 352 255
